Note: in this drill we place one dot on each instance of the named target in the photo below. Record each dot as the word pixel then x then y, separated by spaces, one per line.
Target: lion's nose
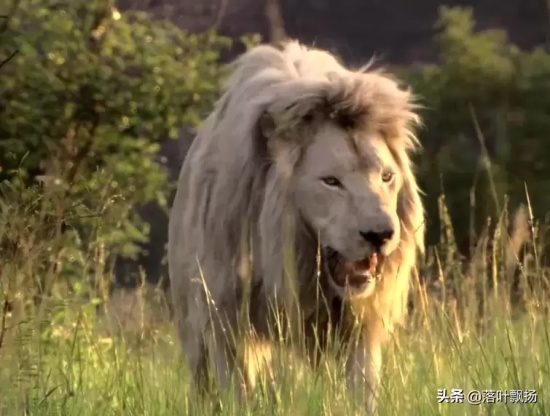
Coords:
pixel 377 238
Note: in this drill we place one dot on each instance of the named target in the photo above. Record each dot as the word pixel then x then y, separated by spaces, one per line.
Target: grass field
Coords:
pixel 69 357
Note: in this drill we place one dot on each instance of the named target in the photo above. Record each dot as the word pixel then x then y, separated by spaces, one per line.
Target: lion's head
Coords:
pixel 346 188
pixel 333 145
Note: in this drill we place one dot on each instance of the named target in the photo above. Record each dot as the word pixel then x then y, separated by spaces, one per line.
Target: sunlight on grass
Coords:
pixel 70 364
pixel 478 325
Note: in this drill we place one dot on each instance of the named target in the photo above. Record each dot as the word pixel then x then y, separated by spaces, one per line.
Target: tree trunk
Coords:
pixel 274 16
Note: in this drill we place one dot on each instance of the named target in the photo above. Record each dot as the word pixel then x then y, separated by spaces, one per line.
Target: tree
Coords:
pixel 83 107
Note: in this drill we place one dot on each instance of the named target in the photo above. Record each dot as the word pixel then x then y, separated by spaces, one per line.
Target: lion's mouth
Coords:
pixel 353 274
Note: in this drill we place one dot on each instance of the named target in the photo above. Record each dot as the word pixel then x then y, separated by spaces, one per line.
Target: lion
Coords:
pixel 300 155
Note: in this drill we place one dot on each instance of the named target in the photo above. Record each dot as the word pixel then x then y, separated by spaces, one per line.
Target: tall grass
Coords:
pixel 476 324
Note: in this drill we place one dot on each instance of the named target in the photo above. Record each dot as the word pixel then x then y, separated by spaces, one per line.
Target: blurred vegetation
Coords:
pixel 487 123
pixel 84 105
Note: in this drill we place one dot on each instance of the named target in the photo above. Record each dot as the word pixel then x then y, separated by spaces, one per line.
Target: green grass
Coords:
pixel 68 363
pixel 77 353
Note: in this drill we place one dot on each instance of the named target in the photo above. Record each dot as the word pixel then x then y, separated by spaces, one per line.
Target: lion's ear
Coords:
pixel 285 153
pixel 267 125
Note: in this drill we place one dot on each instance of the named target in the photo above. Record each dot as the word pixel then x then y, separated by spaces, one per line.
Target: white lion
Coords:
pixel 299 153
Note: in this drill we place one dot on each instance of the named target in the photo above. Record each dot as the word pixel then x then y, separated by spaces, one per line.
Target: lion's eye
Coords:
pixel 332 181
pixel 387 177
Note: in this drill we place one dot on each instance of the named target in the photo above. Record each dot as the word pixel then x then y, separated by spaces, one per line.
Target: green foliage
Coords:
pixel 84 105
pixel 486 101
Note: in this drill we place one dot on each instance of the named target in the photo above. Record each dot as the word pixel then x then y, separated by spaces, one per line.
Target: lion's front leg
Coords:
pixel 241 365
pixel 221 360
pixel 209 344
pixel 257 363
pixel 363 370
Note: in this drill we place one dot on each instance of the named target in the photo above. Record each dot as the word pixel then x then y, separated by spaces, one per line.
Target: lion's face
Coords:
pixel 347 189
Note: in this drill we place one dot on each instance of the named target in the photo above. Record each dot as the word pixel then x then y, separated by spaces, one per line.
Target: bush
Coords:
pixel 84 105
pixel 487 121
